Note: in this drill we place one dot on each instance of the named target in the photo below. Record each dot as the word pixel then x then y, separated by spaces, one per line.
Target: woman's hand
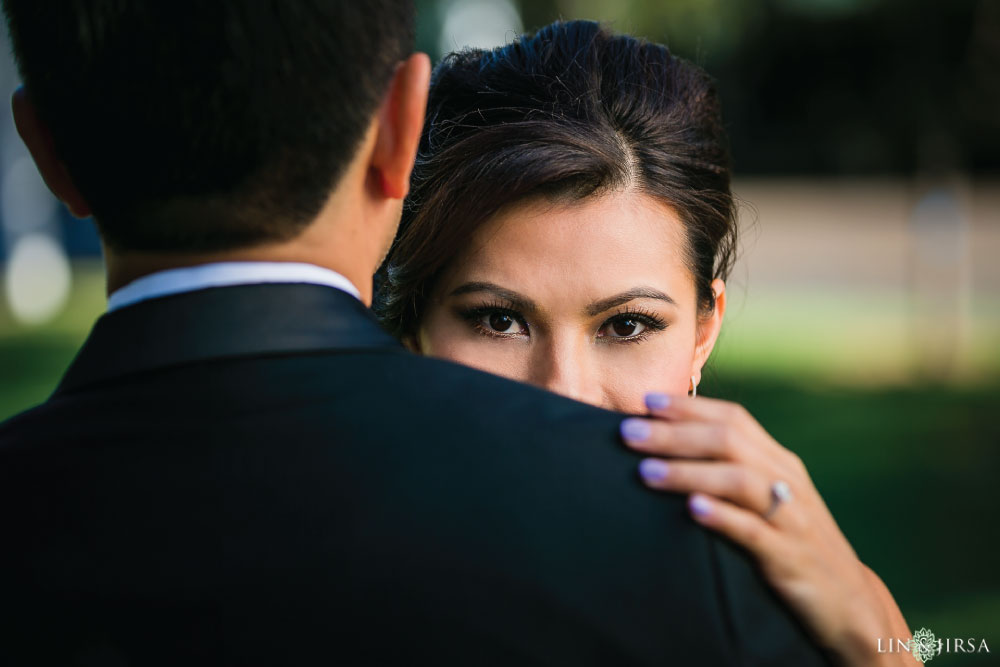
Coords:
pixel 728 464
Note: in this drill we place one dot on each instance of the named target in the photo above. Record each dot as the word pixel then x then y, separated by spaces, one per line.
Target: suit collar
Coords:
pixel 225 274
pixel 241 321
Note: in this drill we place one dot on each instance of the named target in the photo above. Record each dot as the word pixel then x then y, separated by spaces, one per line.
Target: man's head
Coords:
pixel 197 127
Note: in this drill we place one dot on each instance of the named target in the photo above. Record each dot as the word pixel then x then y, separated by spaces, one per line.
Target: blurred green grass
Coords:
pixel 32 359
pixel 908 467
pixel 910 475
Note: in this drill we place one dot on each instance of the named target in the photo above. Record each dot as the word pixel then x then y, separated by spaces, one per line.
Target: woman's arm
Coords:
pixel 745 485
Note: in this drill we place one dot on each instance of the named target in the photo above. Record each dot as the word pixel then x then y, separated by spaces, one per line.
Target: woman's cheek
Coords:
pixel 500 357
pixel 632 373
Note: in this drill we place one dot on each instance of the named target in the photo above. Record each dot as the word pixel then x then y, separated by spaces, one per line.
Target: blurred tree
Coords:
pixel 824 86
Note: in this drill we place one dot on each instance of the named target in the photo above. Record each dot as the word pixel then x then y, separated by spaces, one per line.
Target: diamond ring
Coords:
pixel 780 493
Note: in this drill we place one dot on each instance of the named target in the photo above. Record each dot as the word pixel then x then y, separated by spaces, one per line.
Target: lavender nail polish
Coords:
pixel 653 470
pixel 657 401
pixel 700 505
pixel 636 430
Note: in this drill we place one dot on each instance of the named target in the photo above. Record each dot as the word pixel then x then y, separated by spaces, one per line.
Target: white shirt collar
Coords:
pixel 225 274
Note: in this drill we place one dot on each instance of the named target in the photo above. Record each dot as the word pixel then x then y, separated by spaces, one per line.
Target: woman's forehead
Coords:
pixel 594 244
pixel 623 226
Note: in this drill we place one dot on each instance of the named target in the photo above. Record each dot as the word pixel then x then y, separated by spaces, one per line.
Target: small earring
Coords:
pixel 694 387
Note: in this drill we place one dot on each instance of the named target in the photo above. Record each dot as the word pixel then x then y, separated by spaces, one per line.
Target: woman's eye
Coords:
pixel 501 323
pixel 622 327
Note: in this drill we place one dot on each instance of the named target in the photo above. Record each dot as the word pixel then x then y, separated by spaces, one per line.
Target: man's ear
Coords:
pixel 38 139
pixel 400 122
pixel 708 329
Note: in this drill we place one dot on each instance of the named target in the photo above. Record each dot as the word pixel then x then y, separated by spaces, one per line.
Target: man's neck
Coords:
pixel 351 235
pixel 124 268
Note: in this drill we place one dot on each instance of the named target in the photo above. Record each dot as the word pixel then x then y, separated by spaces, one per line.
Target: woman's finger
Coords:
pixel 737 419
pixel 703 409
pixel 697 440
pixel 736 483
pixel 745 527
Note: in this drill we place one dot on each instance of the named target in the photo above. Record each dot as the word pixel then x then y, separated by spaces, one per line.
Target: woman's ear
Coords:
pixel 400 123
pixel 38 139
pixel 709 327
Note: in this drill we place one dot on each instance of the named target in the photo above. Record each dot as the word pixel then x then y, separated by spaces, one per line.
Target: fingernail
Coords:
pixel 657 401
pixel 636 430
pixel 653 470
pixel 700 505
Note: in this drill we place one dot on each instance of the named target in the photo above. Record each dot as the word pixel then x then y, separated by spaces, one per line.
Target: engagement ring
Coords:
pixel 780 493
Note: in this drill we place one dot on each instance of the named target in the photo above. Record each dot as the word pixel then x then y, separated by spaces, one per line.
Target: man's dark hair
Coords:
pixel 201 125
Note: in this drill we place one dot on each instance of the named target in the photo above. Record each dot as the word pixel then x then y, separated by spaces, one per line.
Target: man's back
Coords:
pixel 259 475
pixel 275 480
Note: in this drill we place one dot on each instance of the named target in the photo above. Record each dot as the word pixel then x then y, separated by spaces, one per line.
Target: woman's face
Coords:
pixel 591 299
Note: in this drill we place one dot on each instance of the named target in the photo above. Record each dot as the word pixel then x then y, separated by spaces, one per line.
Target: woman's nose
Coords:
pixel 563 367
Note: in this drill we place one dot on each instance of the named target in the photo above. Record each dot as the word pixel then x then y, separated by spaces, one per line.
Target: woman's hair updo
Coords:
pixel 569 112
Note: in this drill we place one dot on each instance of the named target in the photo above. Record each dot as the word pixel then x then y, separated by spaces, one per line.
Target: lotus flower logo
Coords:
pixel 923 645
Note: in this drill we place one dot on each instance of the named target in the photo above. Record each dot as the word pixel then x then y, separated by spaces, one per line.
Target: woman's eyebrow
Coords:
pixel 519 302
pixel 598 307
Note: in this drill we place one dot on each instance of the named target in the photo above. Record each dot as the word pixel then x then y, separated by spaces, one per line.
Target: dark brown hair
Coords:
pixel 571 111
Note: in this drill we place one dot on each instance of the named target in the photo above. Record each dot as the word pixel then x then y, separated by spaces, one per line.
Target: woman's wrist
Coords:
pixel 895 621
pixel 875 615
pixel 867 621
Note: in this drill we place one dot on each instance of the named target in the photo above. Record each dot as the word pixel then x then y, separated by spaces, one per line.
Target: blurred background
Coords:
pixel 864 320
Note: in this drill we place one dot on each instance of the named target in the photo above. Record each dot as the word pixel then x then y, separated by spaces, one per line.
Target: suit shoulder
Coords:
pixel 328 391
pixel 441 385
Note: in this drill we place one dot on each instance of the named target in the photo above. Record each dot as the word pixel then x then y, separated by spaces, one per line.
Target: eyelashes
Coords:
pixel 497 319
pixel 650 322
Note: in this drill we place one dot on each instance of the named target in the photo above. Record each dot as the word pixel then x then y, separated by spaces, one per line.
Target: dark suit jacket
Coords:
pixel 260 475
